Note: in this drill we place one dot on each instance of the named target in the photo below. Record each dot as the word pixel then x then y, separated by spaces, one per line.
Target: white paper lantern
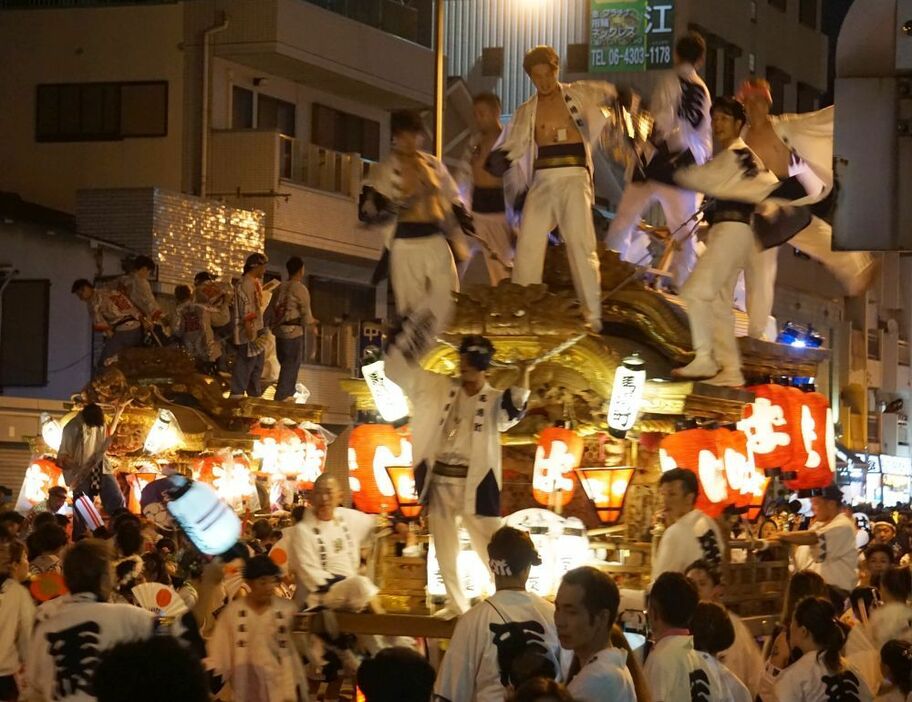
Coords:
pixel 626 396
pixel 51 431
pixel 165 434
pixel 388 397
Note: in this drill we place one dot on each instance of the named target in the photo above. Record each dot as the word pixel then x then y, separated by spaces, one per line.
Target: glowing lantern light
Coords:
pixel 388 397
pixel 606 488
pixel 559 452
pixel 164 435
pixel 371 449
pixel 696 450
pixel 41 475
pixel 626 395
pixel 51 431
pixel 473 574
pixel 208 522
pixel 289 451
pixel 403 479
pixel 137 481
pixel 235 483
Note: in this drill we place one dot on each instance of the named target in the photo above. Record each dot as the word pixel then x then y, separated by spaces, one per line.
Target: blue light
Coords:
pixel 799 336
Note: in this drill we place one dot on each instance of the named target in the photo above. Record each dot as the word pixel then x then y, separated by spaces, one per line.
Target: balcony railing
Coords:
pixel 874 345
pixel 408 19
pixel 322 169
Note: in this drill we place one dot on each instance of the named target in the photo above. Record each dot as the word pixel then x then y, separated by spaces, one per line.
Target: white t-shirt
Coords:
pixel 808 680
pixel 477 663
pixel 677 673
pixel 744 659
pixel 17 617
pixel 604 678
pixel 695 536
pixel 835 555
pixel 70 634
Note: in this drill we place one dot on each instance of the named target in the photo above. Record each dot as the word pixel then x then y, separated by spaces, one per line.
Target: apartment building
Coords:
pixel 197 131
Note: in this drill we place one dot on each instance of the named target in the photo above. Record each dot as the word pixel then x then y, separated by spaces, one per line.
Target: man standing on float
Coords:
pixel 545 157
pixel 798 149
pixel 456 427
pixel 680 105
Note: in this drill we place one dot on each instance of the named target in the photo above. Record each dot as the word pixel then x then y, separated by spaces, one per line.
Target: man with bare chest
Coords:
pixel 545 158
pixel 493 232
pixel 797 147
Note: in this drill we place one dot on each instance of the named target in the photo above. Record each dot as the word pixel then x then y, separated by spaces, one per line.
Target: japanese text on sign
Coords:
pixel 631 35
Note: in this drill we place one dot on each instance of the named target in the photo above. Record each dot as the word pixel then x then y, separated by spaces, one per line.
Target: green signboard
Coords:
pixel 631 35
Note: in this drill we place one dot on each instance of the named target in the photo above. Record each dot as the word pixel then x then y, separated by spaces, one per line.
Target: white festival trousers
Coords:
pixel 679 205
pixel 561 197
pixel 709 290
pixel 423 275
pixel 816 241
pixel 493 229
pixel 446 509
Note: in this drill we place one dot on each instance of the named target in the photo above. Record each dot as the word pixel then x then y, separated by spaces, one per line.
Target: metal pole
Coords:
pixel 439 87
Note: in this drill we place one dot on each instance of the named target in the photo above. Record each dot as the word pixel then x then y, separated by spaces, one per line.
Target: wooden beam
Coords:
pixel 379 624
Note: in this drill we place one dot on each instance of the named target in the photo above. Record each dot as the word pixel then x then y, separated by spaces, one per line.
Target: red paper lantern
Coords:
pixel 697 450
pixel 559 452
pixel 766 423
pixel 372 448
pixel 812 466
pixel 606 488
pixel 747 482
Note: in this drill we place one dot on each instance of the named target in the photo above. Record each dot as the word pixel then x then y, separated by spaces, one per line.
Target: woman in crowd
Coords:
pixel 893 619
pixel 820 673
pixel 896 666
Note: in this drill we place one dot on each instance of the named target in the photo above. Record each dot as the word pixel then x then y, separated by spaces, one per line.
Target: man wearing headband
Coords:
pixel 798 149
pixel 680 105
pixel 456 426
pixel 505 639
pixel 738 180
pixel 413 199
pixel 545 158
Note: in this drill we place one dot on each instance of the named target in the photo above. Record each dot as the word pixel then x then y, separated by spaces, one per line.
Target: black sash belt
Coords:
pixel 416 230
pixel 487 200
pixel 560 156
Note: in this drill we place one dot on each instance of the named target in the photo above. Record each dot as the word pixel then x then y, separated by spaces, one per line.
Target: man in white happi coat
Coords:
pixel 680 106
pixel 252 652
pixel 545 158
pixel 674 671
pixel 509 633
pixel 798 149
pixel 738 180
pixel 456 426
pixel 114 315
pixel 413 198
pixel 289 314
pixel 484 194
pixel 692 535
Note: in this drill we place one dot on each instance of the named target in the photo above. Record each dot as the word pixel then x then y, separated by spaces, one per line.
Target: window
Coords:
pixel 241 108
pixel 335 300
pixel 778 79
pixel 779 4
pixel 275 114
pixel 753 11
pixel 807 97
pixel 101 111
pixel 711 68
pixel 577 58
pixel 729 58
pixel 807 13
pixel 341 131
pixel 26 308
pixel 492 62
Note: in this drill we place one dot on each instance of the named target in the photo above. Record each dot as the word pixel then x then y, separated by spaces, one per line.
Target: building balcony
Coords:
pixel 309 194
pixel 327 49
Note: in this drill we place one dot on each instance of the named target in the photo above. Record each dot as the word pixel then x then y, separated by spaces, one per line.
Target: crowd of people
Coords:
pixel 243 320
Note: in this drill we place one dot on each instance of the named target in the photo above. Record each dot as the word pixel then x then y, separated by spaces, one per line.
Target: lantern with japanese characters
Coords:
pixel 41 475
pixel 288 451
pixel 372 448
pixel 626 395
pixel 388 397
pixel 792 431
pixel 559 452
pixel 747 483
pixel 697 450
